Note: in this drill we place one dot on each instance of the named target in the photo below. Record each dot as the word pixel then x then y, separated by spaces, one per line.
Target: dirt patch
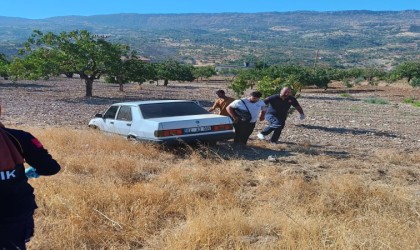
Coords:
pixel 339 120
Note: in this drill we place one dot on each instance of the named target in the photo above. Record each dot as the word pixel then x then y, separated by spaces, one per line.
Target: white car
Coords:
pixel 164 121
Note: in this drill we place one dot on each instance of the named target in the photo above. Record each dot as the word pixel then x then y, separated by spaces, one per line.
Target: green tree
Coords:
pixel 407 70
pixel 171 70
pixel 74 52
pixel 415 82
pixel 372 75
pixel 239 85
pixel 39 64
pixel 318 77
pixel 4 66
pixel 252 76
pixel 268 86
pixel 201 72
pixel 130 69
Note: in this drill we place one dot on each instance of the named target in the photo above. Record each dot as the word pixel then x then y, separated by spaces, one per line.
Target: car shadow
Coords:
pixel 229 150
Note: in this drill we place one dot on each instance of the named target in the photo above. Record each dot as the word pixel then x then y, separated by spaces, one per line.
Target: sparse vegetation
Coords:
pixel 376 100
pixel 413 102
pixel 345 95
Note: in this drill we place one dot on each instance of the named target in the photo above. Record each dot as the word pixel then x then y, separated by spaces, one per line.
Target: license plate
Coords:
pixel 197 129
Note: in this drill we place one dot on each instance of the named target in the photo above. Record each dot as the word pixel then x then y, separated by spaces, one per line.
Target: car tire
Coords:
pixel 131 138
pixel 93 127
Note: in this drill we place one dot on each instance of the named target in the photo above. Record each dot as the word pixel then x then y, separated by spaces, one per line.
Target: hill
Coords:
pixel 342 38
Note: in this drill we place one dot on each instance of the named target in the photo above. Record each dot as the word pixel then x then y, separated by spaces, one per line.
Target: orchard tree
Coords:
pixel 174 71
pixel 318 77
pixel 268 86
pixel 407 70
pixel 75 52
pixel 4 66
pixel 40 64
pixel 252 76
pixel 239 85
pixel 203 72
pixel 130 69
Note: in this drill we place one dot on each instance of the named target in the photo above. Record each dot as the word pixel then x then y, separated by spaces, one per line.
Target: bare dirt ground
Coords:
pixel 335 124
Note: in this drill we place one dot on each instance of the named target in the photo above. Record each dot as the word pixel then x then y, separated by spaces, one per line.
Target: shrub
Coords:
pixel 375 100
pixel 412 102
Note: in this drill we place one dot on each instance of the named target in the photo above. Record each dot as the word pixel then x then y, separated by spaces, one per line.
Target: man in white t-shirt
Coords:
pixel 252 104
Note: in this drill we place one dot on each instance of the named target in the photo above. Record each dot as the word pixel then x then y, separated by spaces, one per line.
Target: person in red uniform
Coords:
pixel 16 194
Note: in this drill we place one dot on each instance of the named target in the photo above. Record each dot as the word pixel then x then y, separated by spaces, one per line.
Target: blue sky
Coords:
pixel 49 8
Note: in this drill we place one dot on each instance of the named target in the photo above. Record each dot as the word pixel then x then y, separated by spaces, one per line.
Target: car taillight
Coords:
pixel 222 127
pixel 169 132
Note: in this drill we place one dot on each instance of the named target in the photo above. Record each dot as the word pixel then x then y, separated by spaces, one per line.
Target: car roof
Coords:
pixel 135 103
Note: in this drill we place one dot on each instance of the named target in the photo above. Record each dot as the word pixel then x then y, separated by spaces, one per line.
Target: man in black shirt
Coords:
pixel 277 111
pixel 16 195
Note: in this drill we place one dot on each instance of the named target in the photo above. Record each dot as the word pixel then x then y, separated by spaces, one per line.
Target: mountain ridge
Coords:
pixel 275 37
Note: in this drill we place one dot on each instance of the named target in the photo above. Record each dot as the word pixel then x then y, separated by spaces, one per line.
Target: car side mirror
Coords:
pixel 99 116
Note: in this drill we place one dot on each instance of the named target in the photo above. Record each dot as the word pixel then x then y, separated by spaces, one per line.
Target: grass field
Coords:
pixel 347 177
pixel 115 194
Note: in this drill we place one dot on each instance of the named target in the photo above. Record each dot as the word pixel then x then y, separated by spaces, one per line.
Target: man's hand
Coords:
pixel 302 116
pixel 31 173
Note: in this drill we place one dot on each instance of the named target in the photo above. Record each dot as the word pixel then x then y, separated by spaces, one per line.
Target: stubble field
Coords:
pixel 346 177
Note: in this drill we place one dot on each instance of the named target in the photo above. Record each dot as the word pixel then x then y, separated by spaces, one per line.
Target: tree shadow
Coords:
pixel 24 85
pixel 340 91
pixel 317 150
pixel 327 98
pixel 349 131
pixel 97 100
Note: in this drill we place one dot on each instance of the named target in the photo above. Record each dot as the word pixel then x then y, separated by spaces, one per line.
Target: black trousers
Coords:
pixel 242 132
pixel 15 232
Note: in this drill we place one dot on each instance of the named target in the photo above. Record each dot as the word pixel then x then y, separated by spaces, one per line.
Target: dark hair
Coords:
pixel 256 94
pixel 220 91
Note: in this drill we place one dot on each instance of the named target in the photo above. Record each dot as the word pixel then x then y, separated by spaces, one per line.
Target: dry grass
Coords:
pixel 115 194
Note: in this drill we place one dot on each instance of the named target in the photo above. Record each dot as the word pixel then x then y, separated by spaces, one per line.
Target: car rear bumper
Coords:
pixel 193 138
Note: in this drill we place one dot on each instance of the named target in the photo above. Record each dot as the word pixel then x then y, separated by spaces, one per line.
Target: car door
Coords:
pixel 123 121
pixel 109 118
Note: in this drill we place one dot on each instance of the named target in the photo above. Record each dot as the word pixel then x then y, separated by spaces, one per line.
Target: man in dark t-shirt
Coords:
pixel 277 111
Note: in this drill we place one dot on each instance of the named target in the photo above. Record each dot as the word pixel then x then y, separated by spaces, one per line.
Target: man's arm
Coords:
pixel 297 106
pixel 262 115
pixel 299 109
pixel 232 113
pixel 36 155
pixel 215 105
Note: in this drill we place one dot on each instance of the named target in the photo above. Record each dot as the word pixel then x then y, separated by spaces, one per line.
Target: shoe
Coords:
pixel 261 136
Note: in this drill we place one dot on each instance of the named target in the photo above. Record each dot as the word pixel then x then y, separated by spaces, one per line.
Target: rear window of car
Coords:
pixel 157 110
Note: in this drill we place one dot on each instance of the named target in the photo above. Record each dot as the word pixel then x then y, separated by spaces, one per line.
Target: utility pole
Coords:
pixel 316 58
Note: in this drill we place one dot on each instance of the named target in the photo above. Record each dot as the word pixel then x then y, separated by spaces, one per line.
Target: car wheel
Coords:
pixel 210 143
pixel 93 127
pixel 131 138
